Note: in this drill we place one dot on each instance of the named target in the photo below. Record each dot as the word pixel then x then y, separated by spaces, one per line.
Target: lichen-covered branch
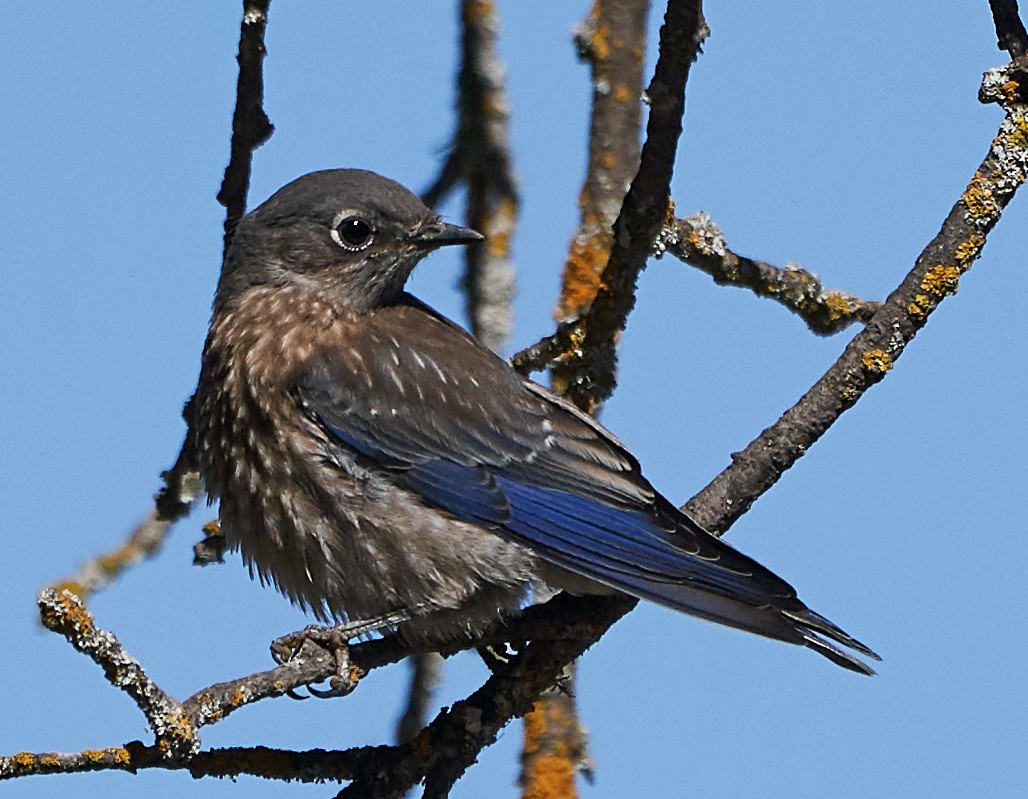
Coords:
pixel 611 41
pixel 568 624
pixel 64 613
pixel 873 351
pixel 561 343
pixel 559 632
pixel 587 376
pixel 699 242
pixel 480 158
pixel 555 750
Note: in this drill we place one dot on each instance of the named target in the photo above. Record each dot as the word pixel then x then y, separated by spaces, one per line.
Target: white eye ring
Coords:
pixel 351 231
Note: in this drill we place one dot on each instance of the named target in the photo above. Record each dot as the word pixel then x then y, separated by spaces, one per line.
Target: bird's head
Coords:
pixel 349 235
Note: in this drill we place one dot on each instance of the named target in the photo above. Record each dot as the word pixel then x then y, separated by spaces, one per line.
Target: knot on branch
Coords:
pixel 1006 85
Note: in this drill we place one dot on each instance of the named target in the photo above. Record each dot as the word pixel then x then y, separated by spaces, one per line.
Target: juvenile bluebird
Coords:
pixel 371 458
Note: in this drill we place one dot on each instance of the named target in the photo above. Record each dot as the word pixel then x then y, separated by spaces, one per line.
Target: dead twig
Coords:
pixel 699 242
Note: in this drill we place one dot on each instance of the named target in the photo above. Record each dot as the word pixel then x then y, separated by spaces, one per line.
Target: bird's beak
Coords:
pixel 445 234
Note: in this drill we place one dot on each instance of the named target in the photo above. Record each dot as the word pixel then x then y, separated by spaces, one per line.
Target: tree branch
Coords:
pixel 250 124
pixel 64 613
pixel 873 351
pixel 699 242
pixel 1010 33
pixel 611 41
pixel 587 376
pixel 480 158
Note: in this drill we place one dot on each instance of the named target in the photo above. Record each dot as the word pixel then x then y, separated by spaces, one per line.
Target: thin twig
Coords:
pixel 558 344
pixel 250 124
pixel 480 158
pixel 173 501
pixel 565 620
pixel 589 378
pixel 699 242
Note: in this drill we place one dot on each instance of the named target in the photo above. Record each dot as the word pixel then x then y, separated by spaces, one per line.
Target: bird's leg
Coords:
pixel 335 639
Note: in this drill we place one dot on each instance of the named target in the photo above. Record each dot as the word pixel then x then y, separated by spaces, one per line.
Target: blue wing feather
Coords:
pixel 491 448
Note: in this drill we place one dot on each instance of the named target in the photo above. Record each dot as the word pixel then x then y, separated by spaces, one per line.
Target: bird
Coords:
pixel 371 459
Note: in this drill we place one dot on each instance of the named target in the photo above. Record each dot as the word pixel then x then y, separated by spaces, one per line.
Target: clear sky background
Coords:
pixel 834 135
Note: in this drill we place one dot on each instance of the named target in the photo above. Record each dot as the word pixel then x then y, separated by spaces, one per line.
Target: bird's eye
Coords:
pixel 353 233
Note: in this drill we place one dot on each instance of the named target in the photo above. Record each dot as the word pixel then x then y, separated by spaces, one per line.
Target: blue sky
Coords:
pixel 836 136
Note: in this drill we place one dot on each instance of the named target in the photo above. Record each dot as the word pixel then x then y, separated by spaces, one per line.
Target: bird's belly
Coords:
pixel 347 543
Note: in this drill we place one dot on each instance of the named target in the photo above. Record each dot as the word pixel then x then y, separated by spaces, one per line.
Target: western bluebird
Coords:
pixel 372 458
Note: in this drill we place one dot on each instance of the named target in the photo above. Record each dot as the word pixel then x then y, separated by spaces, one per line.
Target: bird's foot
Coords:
pixel 334 639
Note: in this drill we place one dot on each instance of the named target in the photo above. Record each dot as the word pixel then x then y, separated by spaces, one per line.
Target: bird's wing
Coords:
pixel 414 394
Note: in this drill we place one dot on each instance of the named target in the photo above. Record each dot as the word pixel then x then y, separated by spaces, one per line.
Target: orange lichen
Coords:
pixel 71 612
pixel 546 775
pixel 74 586
pixel 978 198
pixel 24 759
pixel 839 307
pixel 581 280
pixel 968 250
pixel 877 361
pixel 1009 89
pixel 499 227
pixel 600 42
pixel 920 306
pixel 622 93
pixel 941 280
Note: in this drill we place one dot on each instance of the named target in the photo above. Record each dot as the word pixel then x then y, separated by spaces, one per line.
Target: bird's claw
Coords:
pixel 336 640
